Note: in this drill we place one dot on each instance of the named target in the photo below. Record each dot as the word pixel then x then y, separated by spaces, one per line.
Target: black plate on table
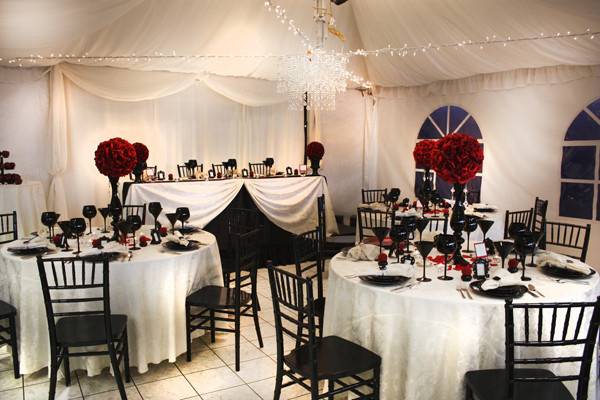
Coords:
pixel 485 209
pixel 189 229
pixel 112 256
pixel 192 245
pixel 502 292
pixel 36 251
pixel 558 272
pixel 384 280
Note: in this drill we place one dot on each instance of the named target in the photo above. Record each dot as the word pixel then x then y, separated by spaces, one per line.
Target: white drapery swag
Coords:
pixel 118 84
pixel 289 203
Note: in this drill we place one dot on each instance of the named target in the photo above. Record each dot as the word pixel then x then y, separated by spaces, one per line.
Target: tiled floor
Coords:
pixel 209 376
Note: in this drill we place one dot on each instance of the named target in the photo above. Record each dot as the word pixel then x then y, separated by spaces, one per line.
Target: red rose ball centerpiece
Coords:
pixel 142 153
pixel 315 152
pixel 423 155
pixel 115 158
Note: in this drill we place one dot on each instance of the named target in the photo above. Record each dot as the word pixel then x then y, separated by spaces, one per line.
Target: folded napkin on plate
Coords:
pixel 178 238
pixel 506 279
pixel 108 247
pixel 35 243
pixel 561 261
pixel 406 270
pixel 363 252
pixel 408 213
pixel 374 206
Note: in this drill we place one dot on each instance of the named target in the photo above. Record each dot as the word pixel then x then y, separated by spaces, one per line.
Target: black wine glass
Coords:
pixel 104 211
pixel 421 224
pixel 446 244
pixel 65 226
pixel 155 209
pixel 397 234
pixel 424 247
pixel 136 223
pixel 89 212
pixel 504 248
pixel 380 232
pixel 485 225
pixel 125 228
pixel 172 217
pixel 537 236
pixel 183 214
pixel 515 229
pixel 410 224
pixel 470 226
pixel 49 219
pixel 524 244
pixel 77 226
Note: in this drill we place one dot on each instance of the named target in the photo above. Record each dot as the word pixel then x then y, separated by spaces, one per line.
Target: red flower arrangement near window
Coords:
pixel 315 151
pixel 8 178
pixel 141 152
pixel 457 158
pixel 115 157
pixel 423 154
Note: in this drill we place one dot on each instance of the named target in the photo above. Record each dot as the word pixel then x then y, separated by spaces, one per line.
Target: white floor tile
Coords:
pixel 40 391
pixel 266 388
pixel 237 393
pixel 213 380
pixel 167 389
pixel 247 352
pixel 8 381
pixel 201 361
pixel 256 370
pixel 155 372
pixel 99 383
pixel 132 394
pixel 13 394
pixel 266 330
pixel 221 340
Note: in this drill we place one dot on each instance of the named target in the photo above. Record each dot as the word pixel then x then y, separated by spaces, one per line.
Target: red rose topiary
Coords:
pixel 457 158
pixel 382 258
pixel 115 157
pixel 423 153
pixel 141 152
pixel 315 151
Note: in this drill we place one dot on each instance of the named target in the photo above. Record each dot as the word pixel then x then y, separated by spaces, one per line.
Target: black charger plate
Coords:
pixel 192 245
pixel 36 251
pixel 558 272
pixel 384 280
pixel 189 229
pixel 502 292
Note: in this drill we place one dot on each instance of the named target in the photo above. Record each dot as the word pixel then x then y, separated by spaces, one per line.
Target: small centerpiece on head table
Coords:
pixel 8 178
pixel 315 152
pixel 115 158
pixel 456 159
pixel 423 155
pixel 142 154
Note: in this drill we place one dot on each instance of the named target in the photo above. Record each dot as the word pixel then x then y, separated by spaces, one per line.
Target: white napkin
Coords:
pixel 35 243
pixel 374 206
pixel 178 238
pixel 485 205
pixel 409 213
pixel 363 252
pixel 107 247
pixel 506 279
pixel 561 261
pixel 407 270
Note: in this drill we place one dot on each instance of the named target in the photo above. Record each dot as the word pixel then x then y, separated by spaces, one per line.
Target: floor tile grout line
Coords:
pixel 187 380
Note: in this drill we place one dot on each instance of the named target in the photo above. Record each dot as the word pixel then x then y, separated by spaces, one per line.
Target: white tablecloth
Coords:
pixel 429 336
pixel 150 289
pixel 290 203
pixel 28 200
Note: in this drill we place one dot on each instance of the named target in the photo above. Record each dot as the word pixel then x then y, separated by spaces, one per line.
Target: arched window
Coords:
pixel 580 178
pixel 441 122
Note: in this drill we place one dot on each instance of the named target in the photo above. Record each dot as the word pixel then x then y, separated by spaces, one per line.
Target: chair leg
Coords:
pixel 469 393
pixel 213 337
pixel 330 387
pixel 67 368
pixel 13 345
pixel 376 382
pixel 53 376
pixel 188 333
pixel 117 371
pixel 237 339
pixel 256 321
pixel 278 380
pixel 126 357
pixel 314 389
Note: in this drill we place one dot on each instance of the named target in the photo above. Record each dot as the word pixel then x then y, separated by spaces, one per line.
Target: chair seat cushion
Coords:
pixel 216 297
pixel 88 330
pixel 492 384
pixel 6 310
pixel 336 357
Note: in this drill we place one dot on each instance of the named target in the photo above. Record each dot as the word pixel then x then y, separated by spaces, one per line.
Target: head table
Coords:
pixel 428 336
pixel 150 288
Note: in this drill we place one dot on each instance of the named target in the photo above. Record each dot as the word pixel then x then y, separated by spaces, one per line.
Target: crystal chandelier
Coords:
pixel 313 80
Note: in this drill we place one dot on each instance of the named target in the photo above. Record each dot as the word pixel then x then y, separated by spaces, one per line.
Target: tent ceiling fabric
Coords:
pixel 233 27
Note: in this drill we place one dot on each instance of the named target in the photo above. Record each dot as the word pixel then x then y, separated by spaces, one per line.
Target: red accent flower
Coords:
pixel 141 152
pixel 315 151
pixel 423 153
pixel 144 240
pixel 8 165
pixel 466 270
pixel 96 243
pixel 5 153
pixel 163 231
pixel 115 157
pixel 382 258
pixel 56 239
pixel 457 158
pixel 17 179
pixel 513 263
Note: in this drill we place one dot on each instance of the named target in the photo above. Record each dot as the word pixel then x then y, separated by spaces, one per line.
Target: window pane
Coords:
pixel 457 115
pixel 578 162
pixel 595 108
pixel 583 127
pixel 576 200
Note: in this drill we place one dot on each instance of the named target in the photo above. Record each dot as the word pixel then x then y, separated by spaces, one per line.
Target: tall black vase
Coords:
pixel 115 206
pixel 315 165
pixel 457 221
pixel 426 190
pixel 138 171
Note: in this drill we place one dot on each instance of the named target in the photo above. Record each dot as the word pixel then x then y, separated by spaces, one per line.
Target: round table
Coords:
pixel 429 336
pixel 150 289
pixel 28 200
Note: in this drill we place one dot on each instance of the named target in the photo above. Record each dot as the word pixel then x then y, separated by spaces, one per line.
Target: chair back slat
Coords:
pixel 134 209
pixel 438 224
pixel 540 208
pixel 186 171
pixel 569 236
pixel 584 333
pixel 374 195
pixel 8 227
pixel 259 169
pixel 523 217
pixel 322 219
pixel 218 169
pixel 368 219
pixel 307 257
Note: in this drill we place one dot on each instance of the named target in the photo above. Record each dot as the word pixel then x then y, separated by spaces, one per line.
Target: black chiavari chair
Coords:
pixel 579 328
pixel 227 304
pixel 438 224
pixel 218 169
pixel 309 265
pixel 334 244
pixel 368 219
pixel 331 358
pixel 133 209
pixel 524 217
pixel 82 284
pixel 374 195
pixel 8 333
pixel 185 171
pixel 538 220
pixel 569 236
pixel 259 169
pixel 8 227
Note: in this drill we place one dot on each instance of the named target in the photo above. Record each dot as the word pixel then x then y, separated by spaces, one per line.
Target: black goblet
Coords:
pixel 435 199
pixel 421 224
pixel 445 244
pixel 172 217
pixel 136 223
pixel 65 226
pixel 515 229
pixel 504 248
pixel 49 219
pixel 125 228
pixel 89 212
pixel 410 224
pixel 155 209
pixel 77 226
pixel 183 214
pixel 537 236
pixel 380 232
pixel 470 226
pixel 104 211
pixel 397 234
pixel 485 225
pixel 524 244
pixel 424 247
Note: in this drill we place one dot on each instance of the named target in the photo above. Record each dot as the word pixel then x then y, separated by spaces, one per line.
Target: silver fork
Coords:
pixel 405 287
